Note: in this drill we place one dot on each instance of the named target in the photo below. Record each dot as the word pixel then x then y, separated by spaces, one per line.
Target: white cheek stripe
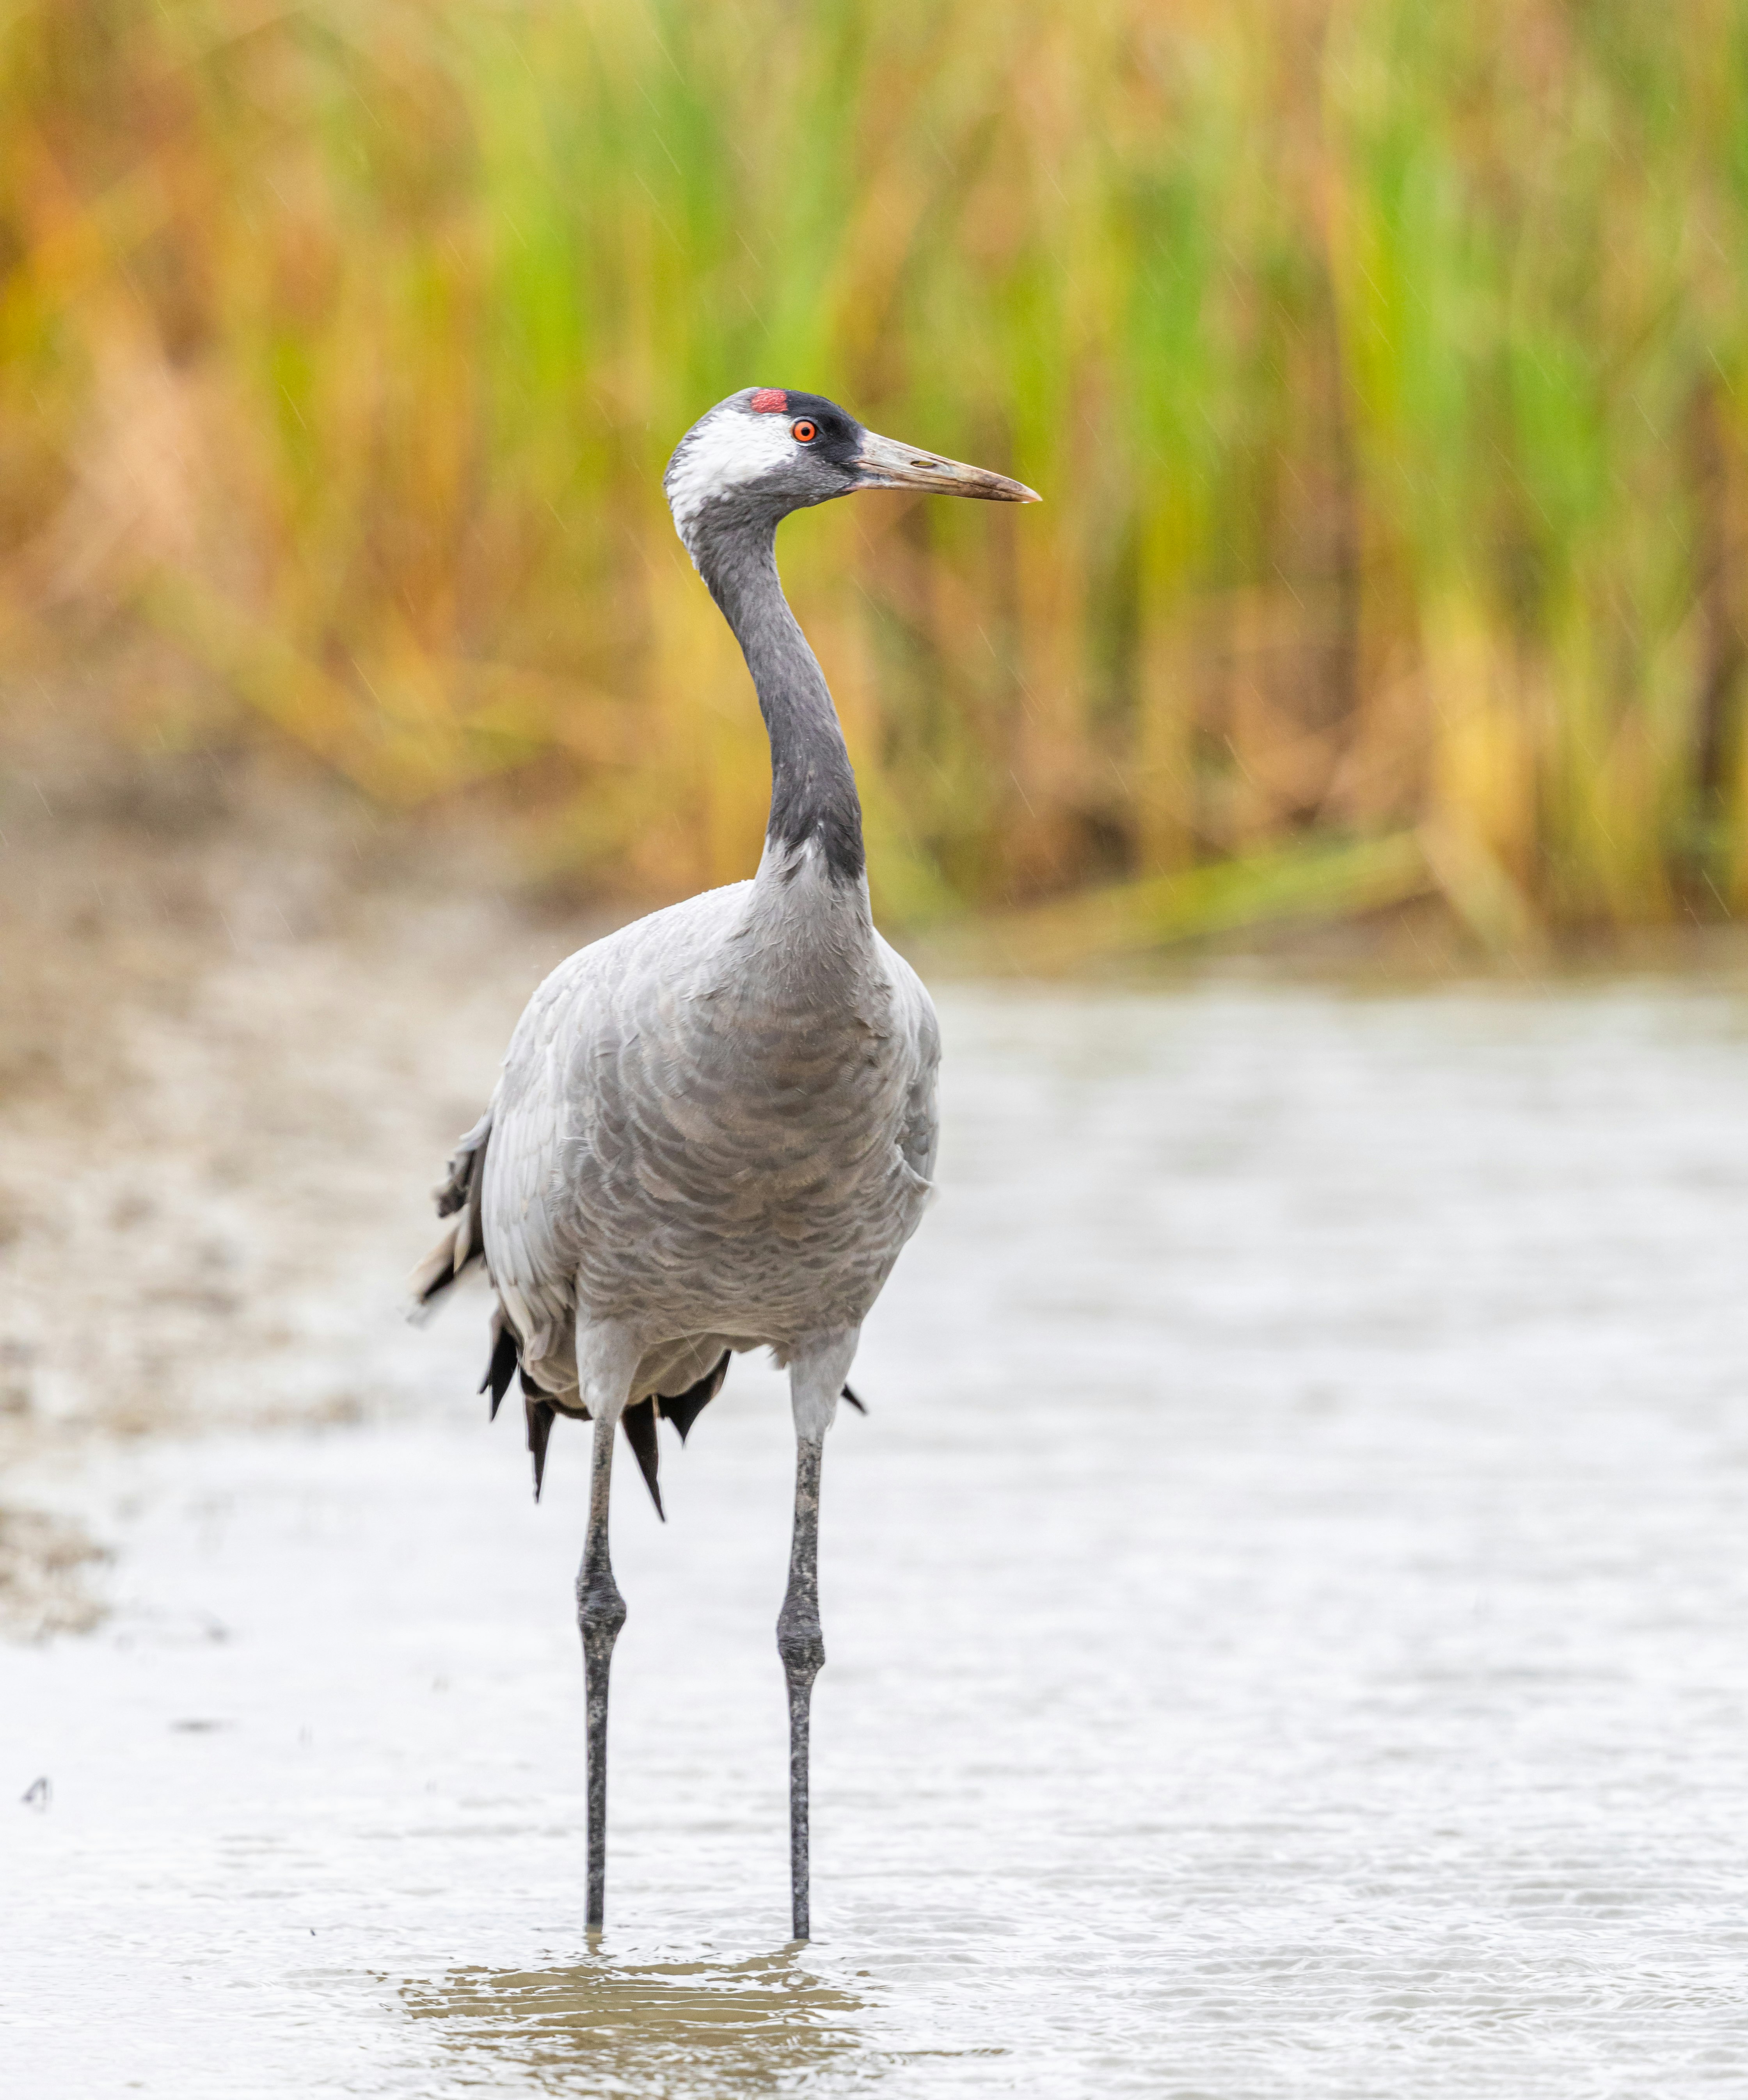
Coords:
pixel 729 448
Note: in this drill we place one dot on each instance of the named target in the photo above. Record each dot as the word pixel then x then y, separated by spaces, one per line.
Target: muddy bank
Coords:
pixel 241 1023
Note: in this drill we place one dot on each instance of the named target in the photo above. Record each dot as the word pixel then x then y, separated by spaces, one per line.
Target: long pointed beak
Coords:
pixel 884 463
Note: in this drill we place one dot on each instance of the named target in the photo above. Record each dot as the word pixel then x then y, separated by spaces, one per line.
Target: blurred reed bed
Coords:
pixel 1382 363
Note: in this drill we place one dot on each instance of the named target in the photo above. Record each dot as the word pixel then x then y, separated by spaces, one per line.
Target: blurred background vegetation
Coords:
pixel 1384 365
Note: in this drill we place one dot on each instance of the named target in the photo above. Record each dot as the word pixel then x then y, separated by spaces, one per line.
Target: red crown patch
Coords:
pixel 769 400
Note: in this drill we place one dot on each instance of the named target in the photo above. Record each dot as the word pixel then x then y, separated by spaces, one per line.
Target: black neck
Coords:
pixel 812 788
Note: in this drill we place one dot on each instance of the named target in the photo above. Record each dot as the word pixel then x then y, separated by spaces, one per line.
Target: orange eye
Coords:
pixel 804 433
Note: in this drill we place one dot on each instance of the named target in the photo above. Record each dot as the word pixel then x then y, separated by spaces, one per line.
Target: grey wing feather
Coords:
pixel 919 1138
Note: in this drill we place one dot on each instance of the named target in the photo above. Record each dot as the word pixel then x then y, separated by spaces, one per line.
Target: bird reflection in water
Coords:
pixel 756 2026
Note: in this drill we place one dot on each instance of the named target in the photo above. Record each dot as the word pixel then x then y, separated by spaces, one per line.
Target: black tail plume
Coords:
pixel 684 1409
pixel 501 1367
pixel 540 1412
pixel 638 1421
pixel 854 1401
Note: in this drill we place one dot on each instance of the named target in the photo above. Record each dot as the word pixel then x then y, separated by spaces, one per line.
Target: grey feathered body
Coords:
pixel 715 1127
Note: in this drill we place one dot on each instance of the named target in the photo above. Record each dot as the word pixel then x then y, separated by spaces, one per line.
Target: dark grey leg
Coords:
pixel 802 1646
pixel 600 1612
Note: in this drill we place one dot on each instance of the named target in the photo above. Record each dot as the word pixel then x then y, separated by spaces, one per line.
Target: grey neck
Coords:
pixel 813 795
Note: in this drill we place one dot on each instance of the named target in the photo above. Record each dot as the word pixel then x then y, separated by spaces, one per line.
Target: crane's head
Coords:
pixel 765 451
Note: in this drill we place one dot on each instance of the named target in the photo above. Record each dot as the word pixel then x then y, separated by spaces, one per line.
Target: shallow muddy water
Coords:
pixel 1287 1609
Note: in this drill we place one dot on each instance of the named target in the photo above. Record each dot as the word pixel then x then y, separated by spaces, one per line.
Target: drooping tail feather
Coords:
pixel 500 1366
pixel 434 1276
pixel 460 1184
pixel 638 1421
pixel 541 1412
pixel 462 1189
pixel 684 1409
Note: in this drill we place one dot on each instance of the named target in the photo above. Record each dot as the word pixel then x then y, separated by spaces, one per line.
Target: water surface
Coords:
pixel 1285 1615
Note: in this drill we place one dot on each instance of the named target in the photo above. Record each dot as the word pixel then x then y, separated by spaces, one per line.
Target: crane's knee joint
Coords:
pixel 801 1643
pixel 601 1609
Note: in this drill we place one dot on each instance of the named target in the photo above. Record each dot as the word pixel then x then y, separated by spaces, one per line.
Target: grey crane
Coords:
pixel 714 1129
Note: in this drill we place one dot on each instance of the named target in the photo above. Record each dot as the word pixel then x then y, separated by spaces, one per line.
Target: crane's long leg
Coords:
pixel 600 1612
pixel 802 1646
pixel 816 1373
